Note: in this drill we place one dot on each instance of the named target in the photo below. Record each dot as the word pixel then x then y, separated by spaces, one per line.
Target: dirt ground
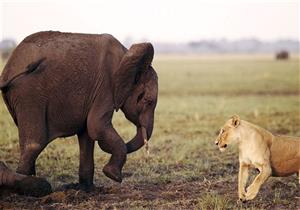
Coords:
pixel 197 194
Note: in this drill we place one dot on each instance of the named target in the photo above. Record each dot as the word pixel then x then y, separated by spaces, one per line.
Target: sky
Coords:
pixel 154 20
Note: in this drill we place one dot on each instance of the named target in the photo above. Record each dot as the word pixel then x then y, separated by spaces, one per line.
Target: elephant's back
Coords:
pixel 75 67
pixel 44 36
pixel 63 49
pixel 60 40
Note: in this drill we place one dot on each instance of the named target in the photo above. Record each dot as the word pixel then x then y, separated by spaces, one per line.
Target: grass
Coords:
pixel 213 201
pixel 184 169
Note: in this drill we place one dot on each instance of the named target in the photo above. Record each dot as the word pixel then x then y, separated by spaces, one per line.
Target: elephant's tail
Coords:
pixel 30 68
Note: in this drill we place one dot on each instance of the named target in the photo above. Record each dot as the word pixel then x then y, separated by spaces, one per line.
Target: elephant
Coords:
pixel 58 84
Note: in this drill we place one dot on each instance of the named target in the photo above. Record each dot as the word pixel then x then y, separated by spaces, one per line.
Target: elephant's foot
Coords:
pixel 86 185
pixel 26 170
pixel 79 186
pixel 113 172
pixel 87 188
pixel 33 186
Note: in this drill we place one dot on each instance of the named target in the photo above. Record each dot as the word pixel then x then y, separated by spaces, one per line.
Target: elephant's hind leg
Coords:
pixel 33 139
pixel 86 166
pixel 28 157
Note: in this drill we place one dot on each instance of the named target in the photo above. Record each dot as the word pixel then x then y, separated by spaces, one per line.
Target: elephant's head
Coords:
pixel 135 92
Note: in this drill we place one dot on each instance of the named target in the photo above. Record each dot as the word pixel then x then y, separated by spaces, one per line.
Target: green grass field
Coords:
pixel 184 170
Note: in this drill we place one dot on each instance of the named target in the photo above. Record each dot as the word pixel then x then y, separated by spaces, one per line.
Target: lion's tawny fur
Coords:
pixel 272 155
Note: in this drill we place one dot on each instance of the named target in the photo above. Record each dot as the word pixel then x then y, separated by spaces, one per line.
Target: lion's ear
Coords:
pixel 235 120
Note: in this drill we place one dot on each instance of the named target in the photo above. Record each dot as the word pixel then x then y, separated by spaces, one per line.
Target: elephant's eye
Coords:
pixel 149 102
pixel 140 97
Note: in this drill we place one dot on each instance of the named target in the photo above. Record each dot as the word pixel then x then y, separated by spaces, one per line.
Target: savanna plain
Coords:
pixel 184 169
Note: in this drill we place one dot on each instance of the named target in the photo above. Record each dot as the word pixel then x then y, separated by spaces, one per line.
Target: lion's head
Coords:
pixel 228 133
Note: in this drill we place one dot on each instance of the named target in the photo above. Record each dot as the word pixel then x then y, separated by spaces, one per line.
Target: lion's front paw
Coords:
pixel 251 192
pixel 242 195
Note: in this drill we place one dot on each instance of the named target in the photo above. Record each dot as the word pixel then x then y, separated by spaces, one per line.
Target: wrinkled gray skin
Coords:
pixel 60 84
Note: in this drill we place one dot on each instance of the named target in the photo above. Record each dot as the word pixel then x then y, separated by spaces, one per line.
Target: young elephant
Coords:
pixel 60 84
pixel 258 148
pixel 22 184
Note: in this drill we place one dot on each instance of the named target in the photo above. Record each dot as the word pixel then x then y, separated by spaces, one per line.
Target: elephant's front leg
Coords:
pixel 86 166
pixel 100 128
pixel 112 143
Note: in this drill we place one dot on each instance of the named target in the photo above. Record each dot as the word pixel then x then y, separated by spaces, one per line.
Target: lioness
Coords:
pixel 272 155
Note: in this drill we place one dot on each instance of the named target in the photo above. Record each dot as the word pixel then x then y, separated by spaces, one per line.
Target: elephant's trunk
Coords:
pixel 141 138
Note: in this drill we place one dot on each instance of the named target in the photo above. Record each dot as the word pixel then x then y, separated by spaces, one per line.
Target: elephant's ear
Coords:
pixel 138 58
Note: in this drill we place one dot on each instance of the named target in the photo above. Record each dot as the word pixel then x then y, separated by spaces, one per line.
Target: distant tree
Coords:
pixel 282 55
pixel 6 48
